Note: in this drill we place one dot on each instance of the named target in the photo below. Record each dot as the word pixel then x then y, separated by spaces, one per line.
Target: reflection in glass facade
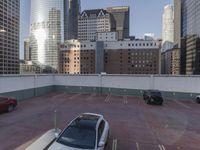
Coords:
pixel 190 32
pixel 190 17
pixel 47 30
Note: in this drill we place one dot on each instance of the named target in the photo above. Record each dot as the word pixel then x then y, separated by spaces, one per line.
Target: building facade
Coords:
pixel 9 36
pixel 27 50
pixel 91 22
pixel 51 23
pixel 170 60
pixel 177 23
pixel 190 42
pixel 47 30
pixel 168 28
pixel 107 36
pixel 28 67
pixel 120 21
pixel 112 57
pixel 72 11
pixel 149 36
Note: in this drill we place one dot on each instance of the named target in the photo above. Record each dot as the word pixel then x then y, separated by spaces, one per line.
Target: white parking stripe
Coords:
pixel 114 144
pixel 125 100
pixel 181 104
pixel 91 97
pixel 107 98
pixel 137 146
pixel 75 96
pixel 161 147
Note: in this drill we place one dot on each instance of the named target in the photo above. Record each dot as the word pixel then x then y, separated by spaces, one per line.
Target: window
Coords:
pixel 100 129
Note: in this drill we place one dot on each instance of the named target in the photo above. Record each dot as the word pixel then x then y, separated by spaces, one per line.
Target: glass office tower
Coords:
pixel 47 31
pixel 190 33
pixel 72 11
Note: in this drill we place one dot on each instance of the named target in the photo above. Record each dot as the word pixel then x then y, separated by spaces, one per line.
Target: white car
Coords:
pixel 86 132
pixel 198 99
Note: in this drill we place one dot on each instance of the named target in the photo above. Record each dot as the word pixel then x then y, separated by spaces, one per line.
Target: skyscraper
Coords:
pixel 91 22
pixel 47 30
pixel 177 23
pixel 27 50
pixel 52 21
pixel 168 28
pixel 120 20
pixel 72 11
pixel 9 36
pixel 190 32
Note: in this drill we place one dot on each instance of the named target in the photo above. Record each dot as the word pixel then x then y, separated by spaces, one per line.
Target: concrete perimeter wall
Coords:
pixel 26 86
pixel 173 87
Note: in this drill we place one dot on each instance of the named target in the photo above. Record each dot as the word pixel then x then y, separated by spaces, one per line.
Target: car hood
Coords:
pixel 58 146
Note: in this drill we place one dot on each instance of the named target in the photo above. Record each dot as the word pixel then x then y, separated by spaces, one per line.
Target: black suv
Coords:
pixel 153 97
pixel 198 99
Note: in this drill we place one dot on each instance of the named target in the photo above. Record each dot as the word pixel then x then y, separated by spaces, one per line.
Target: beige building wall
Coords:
pixel 171 61
pixel 120 57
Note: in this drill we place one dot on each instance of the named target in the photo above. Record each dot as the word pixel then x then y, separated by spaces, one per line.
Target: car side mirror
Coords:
pixel 56 135
pixel 101 144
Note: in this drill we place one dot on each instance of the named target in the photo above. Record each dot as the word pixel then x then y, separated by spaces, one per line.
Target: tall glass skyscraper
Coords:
pixel 190 32
pixel 47 30
pixel 72 11
pixel 168 28
pixel 51 20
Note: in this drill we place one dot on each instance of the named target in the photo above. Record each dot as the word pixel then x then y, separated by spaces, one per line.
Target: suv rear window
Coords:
pixel 156 93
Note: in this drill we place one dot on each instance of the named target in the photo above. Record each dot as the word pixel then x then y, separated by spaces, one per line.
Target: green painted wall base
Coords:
pixel 118 91
pixel 28 93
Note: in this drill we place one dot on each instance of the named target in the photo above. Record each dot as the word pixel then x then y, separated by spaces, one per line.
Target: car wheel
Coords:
pixel 198 100
pixel 147 101
pixel 10 108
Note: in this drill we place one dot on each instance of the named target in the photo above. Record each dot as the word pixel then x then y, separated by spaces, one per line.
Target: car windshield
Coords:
pixel 78 137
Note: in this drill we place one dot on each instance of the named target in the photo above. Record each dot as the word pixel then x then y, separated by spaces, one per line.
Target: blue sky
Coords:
pixel 145 15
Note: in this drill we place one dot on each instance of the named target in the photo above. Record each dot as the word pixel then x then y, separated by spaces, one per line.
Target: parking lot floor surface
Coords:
pixel 134 125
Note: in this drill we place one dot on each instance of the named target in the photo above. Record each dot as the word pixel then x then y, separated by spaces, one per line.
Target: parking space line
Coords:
pixel 161 147
pixel 125 100
pixel 58 95
pixel 75 96
pixel 181 104
pixel 91 97
pixel 107 98
pixel 114 144
pixel 137 146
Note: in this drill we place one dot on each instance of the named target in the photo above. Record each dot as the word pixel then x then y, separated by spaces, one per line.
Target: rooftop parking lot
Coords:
pixel 134 125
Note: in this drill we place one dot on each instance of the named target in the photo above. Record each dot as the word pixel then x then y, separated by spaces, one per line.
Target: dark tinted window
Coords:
pixel 155 93
pixel 100 130
pixel 78 137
